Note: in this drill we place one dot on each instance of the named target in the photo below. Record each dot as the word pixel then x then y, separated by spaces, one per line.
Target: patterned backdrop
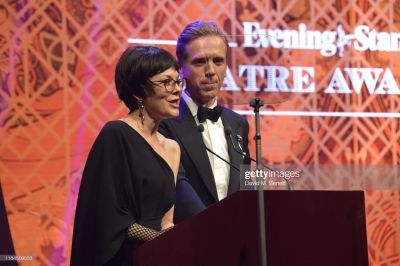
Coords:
pixel 56 72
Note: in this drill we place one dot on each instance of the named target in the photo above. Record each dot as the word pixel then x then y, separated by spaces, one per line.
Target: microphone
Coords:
pixel 200 129
pixel 228 131
pixel 239 140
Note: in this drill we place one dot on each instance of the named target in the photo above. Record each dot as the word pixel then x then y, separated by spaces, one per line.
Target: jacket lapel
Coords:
pixel 192 142
pixel 235 157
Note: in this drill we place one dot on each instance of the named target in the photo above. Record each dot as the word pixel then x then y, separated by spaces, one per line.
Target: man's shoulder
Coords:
pixel 233 114
pixel 169 127
pixel 168 122
pixel 230 111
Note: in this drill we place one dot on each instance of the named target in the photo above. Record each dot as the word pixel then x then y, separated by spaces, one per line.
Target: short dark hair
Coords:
pixel 194 31
pixel 135 68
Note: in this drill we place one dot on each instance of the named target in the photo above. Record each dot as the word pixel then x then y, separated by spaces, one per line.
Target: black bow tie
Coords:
pixel 204 113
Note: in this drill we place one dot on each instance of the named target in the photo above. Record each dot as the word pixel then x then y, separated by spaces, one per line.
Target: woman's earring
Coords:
pixel 141 111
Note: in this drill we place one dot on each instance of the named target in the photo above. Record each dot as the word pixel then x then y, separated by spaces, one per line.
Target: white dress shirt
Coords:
pixel 214 139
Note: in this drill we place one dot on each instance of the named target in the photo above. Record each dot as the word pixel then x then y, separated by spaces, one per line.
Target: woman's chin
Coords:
pixel 172 114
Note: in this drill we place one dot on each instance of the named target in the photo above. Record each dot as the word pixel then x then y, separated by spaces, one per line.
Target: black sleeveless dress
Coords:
pixel 124 182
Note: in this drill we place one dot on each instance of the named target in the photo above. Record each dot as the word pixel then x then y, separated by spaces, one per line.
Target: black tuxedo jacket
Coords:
pixel 195 165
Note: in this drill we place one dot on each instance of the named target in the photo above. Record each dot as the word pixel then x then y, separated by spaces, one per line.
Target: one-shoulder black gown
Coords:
pixel 124 182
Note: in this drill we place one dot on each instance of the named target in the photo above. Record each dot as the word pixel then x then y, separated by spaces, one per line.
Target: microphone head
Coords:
pixel 228 131
pixel 200 128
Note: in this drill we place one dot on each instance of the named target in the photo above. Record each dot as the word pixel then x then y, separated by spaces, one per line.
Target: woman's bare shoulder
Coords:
pixel 170 145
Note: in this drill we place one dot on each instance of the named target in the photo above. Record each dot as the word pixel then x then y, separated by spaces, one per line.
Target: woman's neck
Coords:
pixel 148 127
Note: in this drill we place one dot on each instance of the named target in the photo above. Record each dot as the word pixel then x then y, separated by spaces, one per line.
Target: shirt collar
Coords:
pixel 192 105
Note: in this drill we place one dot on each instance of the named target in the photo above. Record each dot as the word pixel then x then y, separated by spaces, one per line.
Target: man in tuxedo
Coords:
pixel 204 178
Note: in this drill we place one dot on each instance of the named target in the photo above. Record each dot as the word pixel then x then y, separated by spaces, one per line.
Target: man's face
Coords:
pixel 204 68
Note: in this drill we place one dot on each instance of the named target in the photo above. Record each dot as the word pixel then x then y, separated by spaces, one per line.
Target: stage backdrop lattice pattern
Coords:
pixel 57 63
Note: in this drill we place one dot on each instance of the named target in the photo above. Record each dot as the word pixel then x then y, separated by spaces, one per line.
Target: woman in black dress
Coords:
pixel 127 191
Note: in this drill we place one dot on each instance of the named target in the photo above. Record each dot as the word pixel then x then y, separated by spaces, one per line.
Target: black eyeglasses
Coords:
pixel 170 84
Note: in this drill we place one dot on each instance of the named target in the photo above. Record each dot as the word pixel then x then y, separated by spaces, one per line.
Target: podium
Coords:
pixel 303 228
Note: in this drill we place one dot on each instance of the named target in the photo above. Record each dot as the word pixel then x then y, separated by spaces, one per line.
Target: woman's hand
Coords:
pixel 167 227
pixel 168 219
